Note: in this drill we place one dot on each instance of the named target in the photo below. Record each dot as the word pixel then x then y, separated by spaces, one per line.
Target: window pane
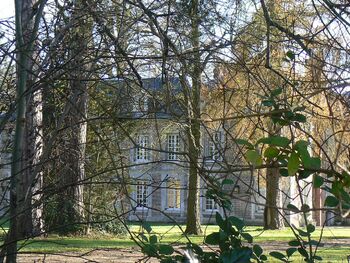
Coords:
pixel 142 194
pixel 173 142
pixel 141 152
pixel 215 146
pixel 173 194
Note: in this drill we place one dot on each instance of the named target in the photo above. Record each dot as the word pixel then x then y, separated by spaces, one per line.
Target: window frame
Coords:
pixel 173 147
pixel 142 148
pixel 175 191
pixel 143 199
pixel 215 146
pixel 213 205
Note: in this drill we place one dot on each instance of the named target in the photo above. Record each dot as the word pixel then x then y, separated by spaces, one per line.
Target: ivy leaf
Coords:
pixel 293 163
pixel 331 201
pixel 254 157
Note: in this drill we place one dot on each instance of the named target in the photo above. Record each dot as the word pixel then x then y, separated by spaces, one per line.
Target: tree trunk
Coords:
pixel 25 216
pixel 193 225
pixel 73 145
pixel 272 219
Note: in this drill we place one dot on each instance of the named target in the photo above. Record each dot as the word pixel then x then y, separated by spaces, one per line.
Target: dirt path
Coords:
pixel 131 255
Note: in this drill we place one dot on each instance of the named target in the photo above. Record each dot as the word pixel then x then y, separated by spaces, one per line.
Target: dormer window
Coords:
pixel 140 103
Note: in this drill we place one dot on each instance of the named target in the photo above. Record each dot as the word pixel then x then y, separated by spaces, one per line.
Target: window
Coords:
pixel 173 194
pixel 141 194
pixel 140 103
pixel 215 147
pixel 210 204
pixel 142 153
pixel 173 146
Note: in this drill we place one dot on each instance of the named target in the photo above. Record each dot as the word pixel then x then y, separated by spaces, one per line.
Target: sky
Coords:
pixel 7 8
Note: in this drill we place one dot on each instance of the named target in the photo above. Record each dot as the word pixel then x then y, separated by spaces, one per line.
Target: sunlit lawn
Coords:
pixel 170 234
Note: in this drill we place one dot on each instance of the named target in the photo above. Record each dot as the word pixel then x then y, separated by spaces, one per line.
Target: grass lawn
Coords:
pixel 271 240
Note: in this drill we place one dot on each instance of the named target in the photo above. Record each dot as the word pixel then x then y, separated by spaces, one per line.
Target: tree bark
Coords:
pixel 24 181
pixel 272 218
pixel 193 225
pixel 73 144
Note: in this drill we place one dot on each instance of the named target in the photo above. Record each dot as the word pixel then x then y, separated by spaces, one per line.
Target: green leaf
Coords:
pixel 310 228
pixel 247 237
pixel 213 238
pixel 144 238
pixel 254 157
pixel 276 141
pixel 303 252
pixel 318 181
pixel 293 208
pixel 278 255
pixel 290 251
pixel 238 223
pixel 293 163
pixel 257 250
pixel 197 249
pixel 263 257
pixel 290 54
pixel 305 208
pixel 284 172
pixel 268 103
pixel 294 243
pixel 166 249
pixel 244 142
pixel 318 258
pixel 271 152
pixel 303 174
pixel 299 108
pixel 302 232
pixel 149 250
pixel 153 239
pixel 147 227
pixel 227 181
pixel 299 118
pixel 301 145
pixel 276 92
pixel 219 220
pixel 312 163
pixel 331 201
